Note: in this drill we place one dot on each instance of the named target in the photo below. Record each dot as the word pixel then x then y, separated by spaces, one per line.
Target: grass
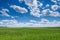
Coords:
pixel 30 33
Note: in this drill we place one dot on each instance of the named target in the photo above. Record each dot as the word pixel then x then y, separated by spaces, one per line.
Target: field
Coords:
pixel 30 33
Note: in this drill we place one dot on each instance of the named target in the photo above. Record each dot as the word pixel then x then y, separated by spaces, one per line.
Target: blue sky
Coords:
pixel 29 13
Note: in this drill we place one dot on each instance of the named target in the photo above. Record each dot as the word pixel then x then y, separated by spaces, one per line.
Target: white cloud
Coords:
pixel 20 0
pixel 47 5
pixel 31 3
pixel 45 11
pixel 35 12
pixel 14 23
pixel 32 23
pixel 4 12
pixel 9 23
pixel 55 14
pixel 54 1
pixel 48 12
pixel 19 9
pixel 33 6
pixel 43 20
pixel 46 23
pixel 40 4
pixel 54 7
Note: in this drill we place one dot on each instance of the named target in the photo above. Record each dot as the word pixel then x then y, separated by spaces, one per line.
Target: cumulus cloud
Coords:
pixel 43 23
pixel 20 0
pixel 33 6
pixel 19 9
pixel 14 23
pixel 47 5
pixel 48 12
pixel 45 11
pixel 9 23
pixel 39 4
pixel 31 3
pixel 54 7
pixel 32 23
pixel 43 20
pixel 55 14
pixel 35 12
pixel 54 1
pixel 4 12
pixel 46 23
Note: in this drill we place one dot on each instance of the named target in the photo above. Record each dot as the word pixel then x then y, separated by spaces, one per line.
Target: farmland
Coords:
pixel 30 33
